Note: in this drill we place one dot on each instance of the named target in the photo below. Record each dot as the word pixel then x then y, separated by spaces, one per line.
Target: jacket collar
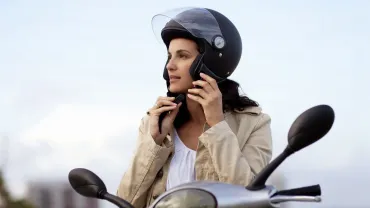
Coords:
pixel 250 110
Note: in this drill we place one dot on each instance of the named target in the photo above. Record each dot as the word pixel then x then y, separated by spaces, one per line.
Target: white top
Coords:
pixel 181 168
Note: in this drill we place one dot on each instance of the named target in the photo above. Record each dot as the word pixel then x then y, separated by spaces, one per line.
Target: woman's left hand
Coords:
pixel 210 97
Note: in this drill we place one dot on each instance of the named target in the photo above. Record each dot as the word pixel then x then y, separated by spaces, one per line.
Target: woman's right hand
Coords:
pixel 163 104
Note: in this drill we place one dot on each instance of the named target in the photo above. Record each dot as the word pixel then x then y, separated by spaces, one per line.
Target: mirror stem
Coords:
pixel 261 178
pixel 116 200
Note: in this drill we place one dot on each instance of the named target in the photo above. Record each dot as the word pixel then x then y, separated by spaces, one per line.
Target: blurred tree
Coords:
pixel 6 199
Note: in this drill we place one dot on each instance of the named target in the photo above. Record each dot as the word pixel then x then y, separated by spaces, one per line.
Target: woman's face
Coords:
pixel 181 54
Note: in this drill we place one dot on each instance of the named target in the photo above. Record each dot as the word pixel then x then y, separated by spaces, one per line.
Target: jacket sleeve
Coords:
pixel 237 165
pixel 147 160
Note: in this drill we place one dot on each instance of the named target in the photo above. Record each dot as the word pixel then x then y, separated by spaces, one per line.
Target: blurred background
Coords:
pixel 77 76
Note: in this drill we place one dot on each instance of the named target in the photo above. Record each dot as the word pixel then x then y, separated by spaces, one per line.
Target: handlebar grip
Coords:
pixel 314 190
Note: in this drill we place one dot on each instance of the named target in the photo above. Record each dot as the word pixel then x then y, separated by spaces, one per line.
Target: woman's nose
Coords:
pixel 171 65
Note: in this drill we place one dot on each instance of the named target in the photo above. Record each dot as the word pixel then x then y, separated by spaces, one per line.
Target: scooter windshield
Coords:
pixel 197 21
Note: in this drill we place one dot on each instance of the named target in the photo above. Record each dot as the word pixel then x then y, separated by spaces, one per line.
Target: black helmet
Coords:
pixel 218 39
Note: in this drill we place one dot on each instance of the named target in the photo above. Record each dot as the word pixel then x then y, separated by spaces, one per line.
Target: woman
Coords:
pixel 214 134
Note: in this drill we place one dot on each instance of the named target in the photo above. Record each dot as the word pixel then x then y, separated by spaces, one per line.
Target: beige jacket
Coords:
pixel 232 151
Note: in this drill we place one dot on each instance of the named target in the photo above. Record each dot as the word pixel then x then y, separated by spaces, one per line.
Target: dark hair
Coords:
pixel 232 100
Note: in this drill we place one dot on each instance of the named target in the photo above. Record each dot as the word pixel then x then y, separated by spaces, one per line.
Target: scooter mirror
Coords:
pixel 86 183
pixel 310 126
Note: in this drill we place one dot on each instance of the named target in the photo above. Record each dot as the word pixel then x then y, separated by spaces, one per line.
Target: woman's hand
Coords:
pixel 163 104
pixel 210 97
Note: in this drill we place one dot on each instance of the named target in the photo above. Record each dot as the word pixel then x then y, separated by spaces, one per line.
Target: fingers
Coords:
pixel 165 98
pixel 174 112
pixel 210 80
pixel 205 85
pixel 160 99
pixel 208 92
pixel 160 110
pixel 197 99
pixel 197 91
pixel 163 102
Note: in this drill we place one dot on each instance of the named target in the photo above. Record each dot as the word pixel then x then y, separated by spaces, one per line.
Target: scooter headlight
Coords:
pixel 188 198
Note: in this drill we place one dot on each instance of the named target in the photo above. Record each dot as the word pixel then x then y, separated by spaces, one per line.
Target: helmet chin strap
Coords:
pixel 199 67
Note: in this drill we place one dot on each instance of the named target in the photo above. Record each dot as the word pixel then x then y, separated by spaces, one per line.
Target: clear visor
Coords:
pixel 197 21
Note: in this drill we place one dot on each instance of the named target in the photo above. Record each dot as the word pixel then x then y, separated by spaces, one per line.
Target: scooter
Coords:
pixel 309 127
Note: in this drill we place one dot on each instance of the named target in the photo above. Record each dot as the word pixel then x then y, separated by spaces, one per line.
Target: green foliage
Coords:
pixel 8 200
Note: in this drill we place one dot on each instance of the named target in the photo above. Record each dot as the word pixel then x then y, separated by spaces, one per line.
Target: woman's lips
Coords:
pixel 174 78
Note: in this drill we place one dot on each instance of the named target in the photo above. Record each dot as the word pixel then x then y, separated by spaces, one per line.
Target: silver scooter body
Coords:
pixel 223 195
pixel 209 194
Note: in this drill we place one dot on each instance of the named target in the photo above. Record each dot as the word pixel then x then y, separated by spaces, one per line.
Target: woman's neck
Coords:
pixel 195 111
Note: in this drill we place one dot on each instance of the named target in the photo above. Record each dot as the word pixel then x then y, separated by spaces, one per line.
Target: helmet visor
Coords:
pixel 199 22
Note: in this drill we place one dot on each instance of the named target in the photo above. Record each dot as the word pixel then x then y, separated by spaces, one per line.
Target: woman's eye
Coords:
pixel 182 56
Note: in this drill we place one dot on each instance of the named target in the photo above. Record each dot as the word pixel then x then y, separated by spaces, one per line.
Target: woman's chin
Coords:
pixel 177 90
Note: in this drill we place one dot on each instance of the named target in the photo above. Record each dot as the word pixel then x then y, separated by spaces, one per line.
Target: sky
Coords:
pixel 76 77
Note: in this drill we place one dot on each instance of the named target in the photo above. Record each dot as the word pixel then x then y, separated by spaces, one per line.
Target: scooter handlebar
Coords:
pixel 314 190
